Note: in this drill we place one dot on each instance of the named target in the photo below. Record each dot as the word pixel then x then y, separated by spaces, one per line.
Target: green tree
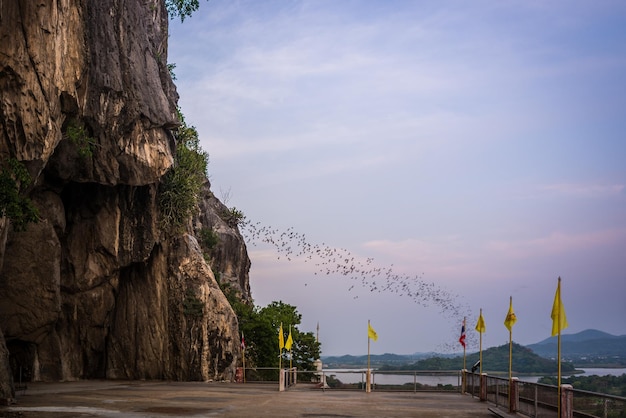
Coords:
pixel 270 318
pixel 611 385
pixel 181 8
pixel 260 327
pixel 305 351
pixel 14 179
pixel 281 313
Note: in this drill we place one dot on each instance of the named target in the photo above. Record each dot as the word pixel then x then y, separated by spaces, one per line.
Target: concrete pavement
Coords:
pixel 135 399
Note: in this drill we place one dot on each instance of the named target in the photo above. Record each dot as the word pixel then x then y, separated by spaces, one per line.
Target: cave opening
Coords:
pixel 21 358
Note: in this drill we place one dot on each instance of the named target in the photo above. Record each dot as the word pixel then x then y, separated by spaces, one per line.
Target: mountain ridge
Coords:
pixel 588 334
pixel 589 346
pixel 581 347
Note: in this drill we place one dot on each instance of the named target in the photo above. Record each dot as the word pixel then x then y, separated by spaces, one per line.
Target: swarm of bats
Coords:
pixel 290 245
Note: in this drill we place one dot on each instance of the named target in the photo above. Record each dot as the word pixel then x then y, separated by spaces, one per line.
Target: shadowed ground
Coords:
pixel 196 399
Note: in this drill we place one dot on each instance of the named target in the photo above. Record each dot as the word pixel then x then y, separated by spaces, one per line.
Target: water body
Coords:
pixel 604 372
pixel 434 379
pixel 425 378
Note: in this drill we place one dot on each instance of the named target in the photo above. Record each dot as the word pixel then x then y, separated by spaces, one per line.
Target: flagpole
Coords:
pixel 280 349
pixel 559 321
pixel 367 375
pixel 480 349
pixel 510 348
pixel 464 368
pixel 510 355
pixel 509 322
pixel 317 337
pixel 290 355
pixel 558 359
pixel 244 357
pixel 558 356
pixel 510 361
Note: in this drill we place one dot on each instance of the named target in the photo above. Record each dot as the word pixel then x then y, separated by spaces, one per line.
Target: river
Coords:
pixel 435 378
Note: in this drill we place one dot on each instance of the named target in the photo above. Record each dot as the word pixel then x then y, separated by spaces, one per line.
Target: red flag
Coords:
pixel 462 337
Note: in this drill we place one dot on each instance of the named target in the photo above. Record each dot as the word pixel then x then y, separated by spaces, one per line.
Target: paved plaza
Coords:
pixel 197 399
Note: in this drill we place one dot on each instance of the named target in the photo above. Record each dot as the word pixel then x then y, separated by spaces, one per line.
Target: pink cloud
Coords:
pixel 584 190
pixel 557 243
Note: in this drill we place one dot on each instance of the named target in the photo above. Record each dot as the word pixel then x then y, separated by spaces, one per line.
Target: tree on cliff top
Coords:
pixel 182 8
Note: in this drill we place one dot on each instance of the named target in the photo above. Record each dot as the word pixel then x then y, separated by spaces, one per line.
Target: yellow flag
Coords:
pixel 281 337
pixel 289 342
pixel 559 320
pixel 371 333
pixel 510 319
pixel 480 325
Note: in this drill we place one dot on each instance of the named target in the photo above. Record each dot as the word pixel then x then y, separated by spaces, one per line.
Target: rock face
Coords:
pixel 227 257
pixel 7 390
pixel 96 289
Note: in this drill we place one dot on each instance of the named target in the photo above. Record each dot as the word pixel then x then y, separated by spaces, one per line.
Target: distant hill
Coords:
pixel 585 346
pixel 348 361
pixel 495 359
pixel 586 335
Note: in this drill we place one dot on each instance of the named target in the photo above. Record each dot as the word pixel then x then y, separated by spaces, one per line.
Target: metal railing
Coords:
pixel 591 404
pixel 406 380
pixel 530 399
pixel 538 400
pixel 355 379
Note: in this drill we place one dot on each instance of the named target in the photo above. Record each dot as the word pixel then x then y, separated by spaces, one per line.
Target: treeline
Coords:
pixel 495 359
pixel 260 326
pixel 376 360
pixel 611 385
pixel 599 362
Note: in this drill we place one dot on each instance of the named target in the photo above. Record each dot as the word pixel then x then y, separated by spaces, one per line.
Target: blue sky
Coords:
pixel 476 149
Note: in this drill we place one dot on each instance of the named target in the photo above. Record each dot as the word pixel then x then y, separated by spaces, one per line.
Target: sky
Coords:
pixel 422 161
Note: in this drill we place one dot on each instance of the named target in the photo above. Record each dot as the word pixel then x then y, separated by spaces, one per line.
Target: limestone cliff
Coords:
pixel 96 288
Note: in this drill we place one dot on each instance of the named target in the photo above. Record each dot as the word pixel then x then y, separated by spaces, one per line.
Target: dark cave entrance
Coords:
pixel 21 359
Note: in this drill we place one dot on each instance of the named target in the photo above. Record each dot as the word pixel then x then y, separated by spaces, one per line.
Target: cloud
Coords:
pixel 443 258
pixel 304 76
pixel 557 243
pixel 452 257
pixel 583 190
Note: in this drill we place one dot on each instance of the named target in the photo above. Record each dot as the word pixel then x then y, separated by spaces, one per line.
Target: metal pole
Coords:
pixel 510 363
pixel 367 376
pixel 558 393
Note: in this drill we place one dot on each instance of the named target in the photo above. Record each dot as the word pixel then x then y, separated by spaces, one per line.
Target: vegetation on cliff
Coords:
pixel 180 187
pixel 18 208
